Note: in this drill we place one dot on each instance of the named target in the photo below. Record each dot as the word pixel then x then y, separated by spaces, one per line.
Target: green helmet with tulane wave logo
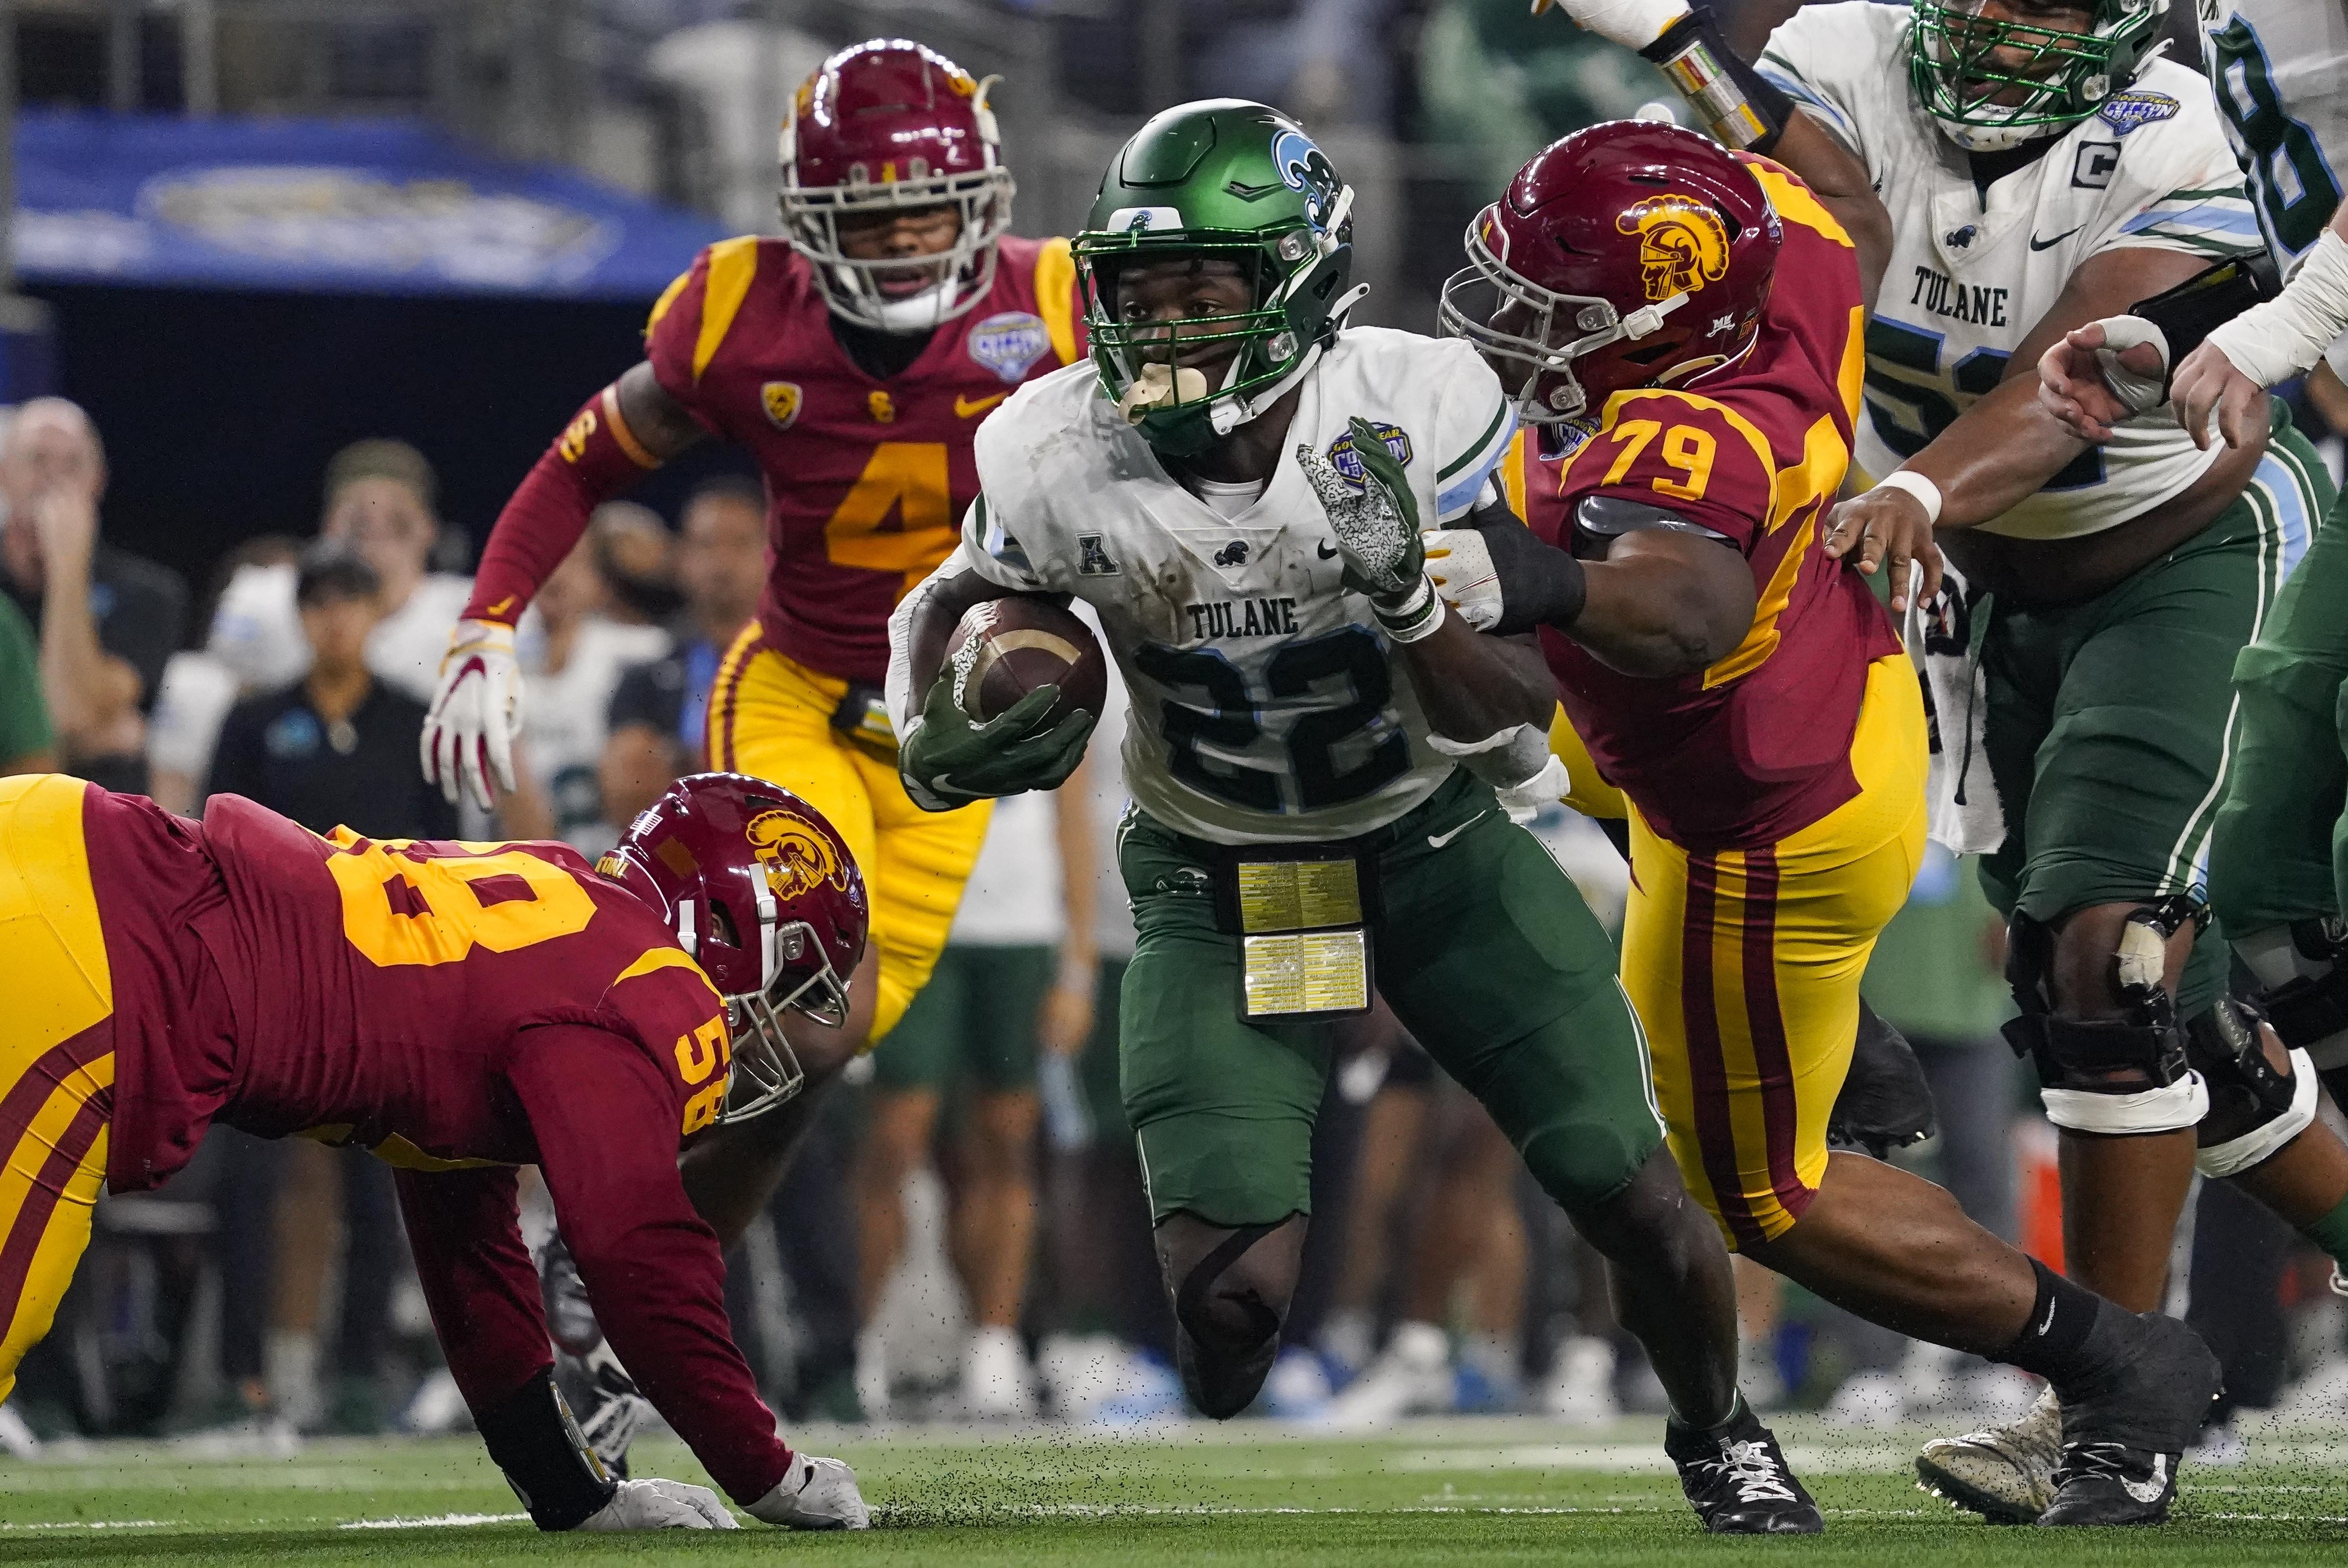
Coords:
pixel 1225 178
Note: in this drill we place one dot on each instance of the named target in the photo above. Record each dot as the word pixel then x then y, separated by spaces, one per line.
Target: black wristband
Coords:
pixel 1743 110
pixel 2211 297
pixel 1541 585
pixel 534 1440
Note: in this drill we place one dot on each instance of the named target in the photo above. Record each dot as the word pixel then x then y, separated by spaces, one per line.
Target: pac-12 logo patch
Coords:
pixel 2136 109
pixel 1348 462
pixel 1682 244
pixel 781 400
pixel 1008 343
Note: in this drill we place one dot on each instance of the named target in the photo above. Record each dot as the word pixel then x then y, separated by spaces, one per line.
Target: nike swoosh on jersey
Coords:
pixel 2150 1491
pixel 971 407
pixel 1327 550
pixel 1438 840
pixel 2038 244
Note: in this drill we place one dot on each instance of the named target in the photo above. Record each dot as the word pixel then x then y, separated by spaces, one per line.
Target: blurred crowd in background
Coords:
pixel 968 1237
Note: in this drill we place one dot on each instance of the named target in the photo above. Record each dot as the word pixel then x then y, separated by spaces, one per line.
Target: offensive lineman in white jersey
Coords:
pixel 1237 486
pixel 2039 167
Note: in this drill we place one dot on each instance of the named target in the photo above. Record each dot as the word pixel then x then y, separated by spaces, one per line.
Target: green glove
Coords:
pixel 951 760
pixel 1377 525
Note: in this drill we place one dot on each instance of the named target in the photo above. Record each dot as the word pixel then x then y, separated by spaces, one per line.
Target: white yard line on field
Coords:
pixel 437 1520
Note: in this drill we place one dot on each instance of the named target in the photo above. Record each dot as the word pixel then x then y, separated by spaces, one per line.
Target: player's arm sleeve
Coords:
pixel 1694 465
pixel 2178 192
pixel 1799 61
pixel 465 1230
pixel 1473 422
pixel 606 1120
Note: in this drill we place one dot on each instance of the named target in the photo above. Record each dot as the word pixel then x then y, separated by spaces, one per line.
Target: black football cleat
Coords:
pixel 2124 1431
pixel 1736 1478
pixel 602 1397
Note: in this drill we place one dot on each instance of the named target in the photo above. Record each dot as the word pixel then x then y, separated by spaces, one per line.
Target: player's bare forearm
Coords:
pixel 1664 603
pixel 1839 179
pixel 658 421
pixel 1471 686
pixel 945 599
pixel 1998 454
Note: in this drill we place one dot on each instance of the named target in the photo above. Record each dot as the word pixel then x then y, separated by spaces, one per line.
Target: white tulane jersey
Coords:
pixel 1267 705
pixel 2281 71
pixel 1969 277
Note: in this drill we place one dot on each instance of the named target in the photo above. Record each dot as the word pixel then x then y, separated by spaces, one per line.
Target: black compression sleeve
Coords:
pixel 534 1440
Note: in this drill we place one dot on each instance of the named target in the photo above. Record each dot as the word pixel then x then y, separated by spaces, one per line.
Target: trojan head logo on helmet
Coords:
pixel 798 856
pixel 1682 244
pixel 760 891
pixel 1630 254
pixel 886 127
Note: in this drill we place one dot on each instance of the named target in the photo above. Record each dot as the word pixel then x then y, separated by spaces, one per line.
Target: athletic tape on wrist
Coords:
pixel 1743 110
pixel 2287 336
pixel 1416 618
pixel 1926 494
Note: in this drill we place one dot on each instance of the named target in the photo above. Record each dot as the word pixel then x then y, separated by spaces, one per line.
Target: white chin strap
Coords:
pixel 1993 138
pixel 1228 413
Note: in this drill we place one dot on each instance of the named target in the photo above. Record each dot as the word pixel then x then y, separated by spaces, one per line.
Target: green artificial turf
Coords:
pixel 1492 1492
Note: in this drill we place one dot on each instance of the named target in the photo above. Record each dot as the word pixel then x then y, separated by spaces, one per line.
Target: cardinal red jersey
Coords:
pixel 460 1009
pixel 867 479
pixel 1755 746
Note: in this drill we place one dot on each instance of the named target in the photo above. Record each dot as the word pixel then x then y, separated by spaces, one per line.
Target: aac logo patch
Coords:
pixel 781 400
pixel 1682 244
pixel 2136 109
pixel 1008 343
pixel 798 858
pixel 1348 464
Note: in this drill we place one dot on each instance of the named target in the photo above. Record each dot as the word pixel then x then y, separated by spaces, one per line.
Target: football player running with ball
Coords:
pixel 855 359
pixel 1682 326
pixel 460 1009
pixel 1237 488
pixel 2041 168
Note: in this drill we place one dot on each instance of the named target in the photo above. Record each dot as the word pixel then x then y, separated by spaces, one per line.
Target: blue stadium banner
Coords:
pixel 327 206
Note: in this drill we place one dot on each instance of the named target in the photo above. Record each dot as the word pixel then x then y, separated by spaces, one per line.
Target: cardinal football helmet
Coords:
pixel 763 895
pixel 1632 253
pixel 884 126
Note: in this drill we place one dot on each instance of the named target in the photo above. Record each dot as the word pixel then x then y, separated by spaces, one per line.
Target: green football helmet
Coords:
pixel 1218 178
pixel 2057 78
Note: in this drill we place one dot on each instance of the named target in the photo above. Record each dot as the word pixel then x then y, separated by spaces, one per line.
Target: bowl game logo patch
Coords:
pixel 1348 464
pixel 781 400
pixel 2136 109
pixel 1008 343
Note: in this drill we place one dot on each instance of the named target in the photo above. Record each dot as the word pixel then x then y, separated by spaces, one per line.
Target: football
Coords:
pixel 1019 643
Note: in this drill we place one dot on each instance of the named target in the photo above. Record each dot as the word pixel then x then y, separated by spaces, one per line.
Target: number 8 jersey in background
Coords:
pixel 2281 71
pixel 1972 271
pixel 865 476
pixel 1267 705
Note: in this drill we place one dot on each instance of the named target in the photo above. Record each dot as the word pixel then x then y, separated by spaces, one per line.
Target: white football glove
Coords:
pixel 1634 24
pixel 815 1494
pixel 1459 564
pixel 477 713
pixel 662 1505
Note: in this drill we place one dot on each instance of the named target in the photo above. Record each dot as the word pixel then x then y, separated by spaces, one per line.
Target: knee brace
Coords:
pixel 2122 1075
pixel 2310 1008
pixel 2254 1111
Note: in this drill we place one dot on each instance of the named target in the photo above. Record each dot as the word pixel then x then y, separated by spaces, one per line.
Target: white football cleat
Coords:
pixel 815 1493
pixel 1411 1376
pixel 2005 1474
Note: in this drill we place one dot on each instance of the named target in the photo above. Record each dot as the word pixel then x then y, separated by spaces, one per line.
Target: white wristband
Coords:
pixel 1926 494
pixel 1416 618
pixel 2289 334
